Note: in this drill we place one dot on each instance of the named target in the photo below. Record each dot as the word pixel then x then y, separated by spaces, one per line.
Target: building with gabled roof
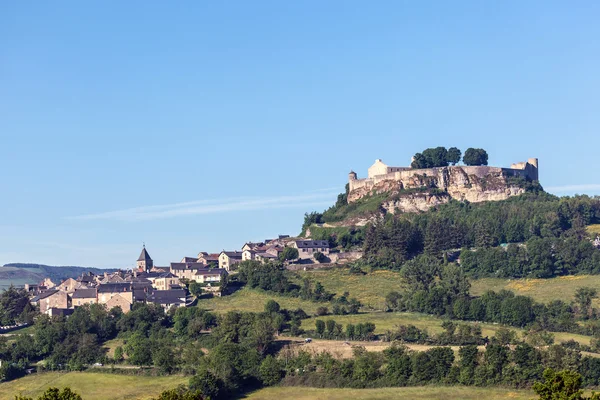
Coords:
pixel 228 259
pixel 307 248
pixel 84 296
pixel 167 298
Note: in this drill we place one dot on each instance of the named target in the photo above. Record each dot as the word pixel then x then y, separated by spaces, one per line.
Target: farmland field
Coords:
pixel 425 392
pixel 370 289
pixel 542 290
pixel 92 386
pixel 387 321
pixel 254 301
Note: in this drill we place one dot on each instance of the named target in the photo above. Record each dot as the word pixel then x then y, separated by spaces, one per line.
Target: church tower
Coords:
pixel 144 262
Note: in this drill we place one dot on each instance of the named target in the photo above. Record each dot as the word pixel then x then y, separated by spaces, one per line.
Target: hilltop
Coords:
pixel 434 178
pixel 21 273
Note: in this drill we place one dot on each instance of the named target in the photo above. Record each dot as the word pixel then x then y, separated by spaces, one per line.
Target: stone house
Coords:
pixel 119 301
pixel 166 281
pixel 228 259
pixel 109 290
pixel 84 296
pixel 186 270
pixel 214 275
pixel 264 257
pixel 167 298
pixel 48 284
pixel 189 259
pixel 52 298
pixel 69 285
pixel 207 259
pixel 248 254
pixel 252 245
pixel 307 248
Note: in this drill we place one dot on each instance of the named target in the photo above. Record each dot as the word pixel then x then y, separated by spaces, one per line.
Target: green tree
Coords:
pixel 206 383
pixel 563 385
pixel 270 371
pixel 583 297
pixel 289 253
pixel 195 289
pixel 118 356
pixel 475 157
pixel 272 306
pixel 320 327
pixel 164 359
pixel 54 394
pixel 320 257
pixel 453 156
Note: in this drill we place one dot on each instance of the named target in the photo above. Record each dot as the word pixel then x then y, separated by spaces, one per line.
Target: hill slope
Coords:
pixel 19 273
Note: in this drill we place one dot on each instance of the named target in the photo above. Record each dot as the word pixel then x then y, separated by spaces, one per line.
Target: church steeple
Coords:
pixel 144 261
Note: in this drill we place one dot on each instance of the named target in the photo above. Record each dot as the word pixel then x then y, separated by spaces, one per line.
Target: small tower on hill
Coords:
pixel 144 262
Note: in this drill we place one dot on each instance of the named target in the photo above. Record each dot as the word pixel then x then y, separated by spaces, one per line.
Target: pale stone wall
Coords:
pixel 57 300
pixel 119 301
pixel 81 302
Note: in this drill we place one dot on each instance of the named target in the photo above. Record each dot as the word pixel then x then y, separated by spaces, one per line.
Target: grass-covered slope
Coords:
pixel 92 386
pixel 417 393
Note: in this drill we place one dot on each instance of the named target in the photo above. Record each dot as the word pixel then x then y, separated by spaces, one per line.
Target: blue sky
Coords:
pixel 196 127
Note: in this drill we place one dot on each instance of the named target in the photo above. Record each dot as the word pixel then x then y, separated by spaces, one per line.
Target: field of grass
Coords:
pixel 594 229
pixel 370 288
pixel 424 392
pixel 92 386
pixel 254 300
pixel 542 290
pixel 387 321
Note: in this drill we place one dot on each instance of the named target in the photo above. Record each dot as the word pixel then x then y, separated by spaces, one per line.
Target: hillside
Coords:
pixel 19 274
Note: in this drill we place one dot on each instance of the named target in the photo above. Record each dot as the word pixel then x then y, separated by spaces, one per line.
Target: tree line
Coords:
pixel 442 157
pixel 550 233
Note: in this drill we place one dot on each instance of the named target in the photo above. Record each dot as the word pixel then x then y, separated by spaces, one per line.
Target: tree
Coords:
pixel 475 157
pixel 289 253
pixel 164 359
pixel 320 327
pixel 418 161
pixel 320 257
pixel 118 356
pixel 583 297
pixel 195 289
pixel 54 394
pixel 563 385
pixel 272 306
pixel 139 350
pixel 205 383
pixel 12 304
pixel 270 371
pixel 453 155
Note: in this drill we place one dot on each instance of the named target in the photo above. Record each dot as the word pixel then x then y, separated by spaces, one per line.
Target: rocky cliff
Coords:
pixel 419 190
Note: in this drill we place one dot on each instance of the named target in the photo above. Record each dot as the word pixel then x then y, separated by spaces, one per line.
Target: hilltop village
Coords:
pixel 433 178
pixel 168 286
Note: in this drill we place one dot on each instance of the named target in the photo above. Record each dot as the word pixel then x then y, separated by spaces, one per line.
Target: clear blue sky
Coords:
pixel 196 127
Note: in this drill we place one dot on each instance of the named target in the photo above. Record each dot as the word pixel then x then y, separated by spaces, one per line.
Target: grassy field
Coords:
pixel 425 392
pixel 594 229
pixel 387 321
pixel 542 290
pixel 92 386
pixel 254 300
pixel 370 289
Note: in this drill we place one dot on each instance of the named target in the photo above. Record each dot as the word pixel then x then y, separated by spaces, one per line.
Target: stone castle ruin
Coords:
pixel 413 190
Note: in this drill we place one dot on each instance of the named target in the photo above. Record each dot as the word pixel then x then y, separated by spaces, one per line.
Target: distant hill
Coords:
pixel 20 273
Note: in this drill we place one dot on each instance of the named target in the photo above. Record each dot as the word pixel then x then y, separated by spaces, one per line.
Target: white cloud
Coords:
pixel 311 199
pixel 574 188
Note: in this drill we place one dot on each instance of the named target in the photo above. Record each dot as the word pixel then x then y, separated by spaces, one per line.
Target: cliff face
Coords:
pixel 420 190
